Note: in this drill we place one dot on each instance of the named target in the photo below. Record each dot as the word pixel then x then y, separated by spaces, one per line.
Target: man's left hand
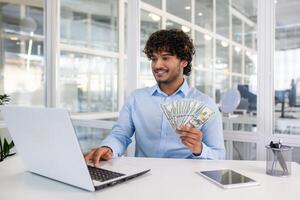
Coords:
pixel 191 137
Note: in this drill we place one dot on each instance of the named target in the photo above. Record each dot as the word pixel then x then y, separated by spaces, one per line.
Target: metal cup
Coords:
pixel 279 160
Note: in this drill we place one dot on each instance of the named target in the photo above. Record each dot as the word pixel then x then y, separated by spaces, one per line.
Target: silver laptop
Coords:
pixel 46 142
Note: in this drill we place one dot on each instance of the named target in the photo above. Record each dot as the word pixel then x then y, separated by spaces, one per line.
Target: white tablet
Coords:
pixel 227 178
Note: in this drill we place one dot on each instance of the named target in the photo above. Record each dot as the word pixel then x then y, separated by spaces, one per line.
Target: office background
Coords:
pixel 86 56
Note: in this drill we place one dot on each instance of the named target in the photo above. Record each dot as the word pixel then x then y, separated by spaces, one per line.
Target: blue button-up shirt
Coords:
pixel 142 115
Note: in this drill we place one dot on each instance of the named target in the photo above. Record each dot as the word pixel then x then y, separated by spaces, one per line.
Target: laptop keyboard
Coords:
pixel 102 175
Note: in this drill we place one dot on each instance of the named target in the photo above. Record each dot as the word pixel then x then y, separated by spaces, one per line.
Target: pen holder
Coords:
pixel 279 160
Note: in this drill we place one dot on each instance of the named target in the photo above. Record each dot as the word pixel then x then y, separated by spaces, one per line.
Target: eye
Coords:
pixel 153 59
pixel 165 58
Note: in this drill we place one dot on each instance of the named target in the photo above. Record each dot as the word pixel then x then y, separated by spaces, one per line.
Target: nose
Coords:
pixel 157 63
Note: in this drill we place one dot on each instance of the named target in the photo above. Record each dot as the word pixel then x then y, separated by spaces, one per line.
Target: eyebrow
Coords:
pixel 164 54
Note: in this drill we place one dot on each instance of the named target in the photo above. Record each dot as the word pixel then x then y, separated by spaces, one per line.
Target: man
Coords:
pixel 170 52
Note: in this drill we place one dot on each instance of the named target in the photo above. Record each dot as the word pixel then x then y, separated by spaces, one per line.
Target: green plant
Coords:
pixel 4 99
pixel 5 147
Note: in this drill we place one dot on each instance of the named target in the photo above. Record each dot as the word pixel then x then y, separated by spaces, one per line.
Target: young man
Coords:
pixel 170 52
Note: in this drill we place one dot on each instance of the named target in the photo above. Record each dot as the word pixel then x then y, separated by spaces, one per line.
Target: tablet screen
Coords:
pixel 227 177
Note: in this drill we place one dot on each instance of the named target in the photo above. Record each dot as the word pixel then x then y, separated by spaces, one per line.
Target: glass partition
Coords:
pixel 180 8
pixel 155 3
pixel 204 50
pixel 150 23
pixel 22 64
pixel 286 69
pixel 240 150
pixel 92 25
pixel 88 71
pixel 222 17
pixel 88 83
pixel 222 56
pixel 204 14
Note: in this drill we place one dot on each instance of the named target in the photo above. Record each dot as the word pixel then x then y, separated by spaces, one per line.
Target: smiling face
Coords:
pixel 167 68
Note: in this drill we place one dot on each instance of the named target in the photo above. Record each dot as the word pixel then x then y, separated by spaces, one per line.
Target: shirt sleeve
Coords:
pixel 212 141
pixel 119 138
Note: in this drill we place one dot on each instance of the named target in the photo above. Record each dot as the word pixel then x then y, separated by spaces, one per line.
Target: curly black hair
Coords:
pixel 173 41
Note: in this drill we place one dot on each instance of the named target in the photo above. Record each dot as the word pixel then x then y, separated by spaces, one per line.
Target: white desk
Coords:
pixel 169 179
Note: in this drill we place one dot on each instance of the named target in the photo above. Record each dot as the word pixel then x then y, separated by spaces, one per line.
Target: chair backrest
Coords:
pixel 230 100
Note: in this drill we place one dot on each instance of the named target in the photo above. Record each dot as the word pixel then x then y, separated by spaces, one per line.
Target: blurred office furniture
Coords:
pixel 218 95
pixel 236 122
pixel 238 108
pixel 230 100
pixel 248 97
pixel 293 94
pixel 287 126
pixel 289 98
pixel 280 97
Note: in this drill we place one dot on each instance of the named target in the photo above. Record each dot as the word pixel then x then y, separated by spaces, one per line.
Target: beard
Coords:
pixel 172 75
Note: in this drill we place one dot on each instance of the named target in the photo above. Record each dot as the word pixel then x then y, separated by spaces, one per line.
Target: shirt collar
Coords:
pixel 184 89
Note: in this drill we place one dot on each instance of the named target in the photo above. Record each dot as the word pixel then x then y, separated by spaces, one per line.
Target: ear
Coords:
pixel 183 63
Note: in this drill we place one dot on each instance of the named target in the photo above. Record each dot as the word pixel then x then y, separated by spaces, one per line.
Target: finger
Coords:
pixel 191 135
pixel 107 155
pixel 197 137
pixel 97 157
pixel 185 128
pixel 178 131
pixel 190 130
pixel 188 144
pixel 190 140
pixel 89 155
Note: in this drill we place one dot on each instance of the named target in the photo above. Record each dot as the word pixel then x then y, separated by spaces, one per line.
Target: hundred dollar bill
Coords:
pixel 201 118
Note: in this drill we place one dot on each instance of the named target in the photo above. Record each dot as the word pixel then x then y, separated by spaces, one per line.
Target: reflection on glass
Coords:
pixel 251 82
pixel 237 32
pixel 204 82
pixel 145 69
pixel 22 52
pixel 247 8
pixel 249 11
pixel 203 46
pixel 240 150
pixel 180 8
pixel 90 25
pixel 221 84
pixel 173 25
pixel 250 63
pixel 222 56
pixel 146 77
pixel 296 154
pixel 150 23
pixel 249 36
pixel 286 69
pixel 155 3
pixel 90 138
pixel 88 83
pixel 125 28
pixel 236 80
pixel 222 17
pixel 204 13
pixel 237 59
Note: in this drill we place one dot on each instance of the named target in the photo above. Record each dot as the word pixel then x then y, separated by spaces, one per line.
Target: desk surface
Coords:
pixel 168 179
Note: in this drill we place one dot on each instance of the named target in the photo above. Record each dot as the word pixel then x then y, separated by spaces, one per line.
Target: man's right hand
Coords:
pixel 98 154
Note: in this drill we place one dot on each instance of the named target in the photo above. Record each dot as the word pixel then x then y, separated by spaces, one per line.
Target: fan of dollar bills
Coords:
pixel 186 112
